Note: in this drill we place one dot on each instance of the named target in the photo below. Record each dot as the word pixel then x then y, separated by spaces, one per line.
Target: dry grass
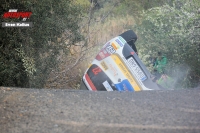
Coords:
pixel 69 75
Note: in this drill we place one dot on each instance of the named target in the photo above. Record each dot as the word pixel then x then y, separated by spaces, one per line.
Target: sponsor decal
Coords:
pixel 107 86
pixel 117 45
pixel 114 70
pixel 124 86
pixel 101 55
pixel 114 46
pixel 104 51
pixel 122 40
pixel 96 70
pixel 110 49
pixel 125 72
pixel 14 14
pixel 103 64
pixel 119 42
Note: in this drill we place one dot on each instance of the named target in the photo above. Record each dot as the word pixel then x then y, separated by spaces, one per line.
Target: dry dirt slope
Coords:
pixel 69 111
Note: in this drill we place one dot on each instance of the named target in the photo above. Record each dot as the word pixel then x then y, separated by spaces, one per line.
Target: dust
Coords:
pixel 179 73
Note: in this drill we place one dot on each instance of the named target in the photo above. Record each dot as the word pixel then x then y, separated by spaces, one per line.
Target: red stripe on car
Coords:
pixel 90 82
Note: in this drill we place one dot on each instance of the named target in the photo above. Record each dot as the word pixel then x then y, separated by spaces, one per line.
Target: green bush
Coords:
pixel 173 30
pixel 29 54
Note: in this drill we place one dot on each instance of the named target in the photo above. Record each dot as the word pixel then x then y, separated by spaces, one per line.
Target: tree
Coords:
pixel 33 51
pixel 174 31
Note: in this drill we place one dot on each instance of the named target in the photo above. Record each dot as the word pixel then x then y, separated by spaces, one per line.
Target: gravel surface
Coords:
pixel 72 111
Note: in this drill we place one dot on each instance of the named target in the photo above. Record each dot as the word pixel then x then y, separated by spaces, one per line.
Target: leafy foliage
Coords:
pixel 173 30
pixel 33 51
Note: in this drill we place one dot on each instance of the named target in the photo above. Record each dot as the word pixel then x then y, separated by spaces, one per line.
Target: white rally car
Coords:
pixel 118 67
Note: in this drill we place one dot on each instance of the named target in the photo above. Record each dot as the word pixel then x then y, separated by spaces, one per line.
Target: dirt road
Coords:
pixel 72 111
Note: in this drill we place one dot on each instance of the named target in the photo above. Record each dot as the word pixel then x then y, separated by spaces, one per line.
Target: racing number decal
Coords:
pixel 98 77
pixel 96 70
pixel 110 49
